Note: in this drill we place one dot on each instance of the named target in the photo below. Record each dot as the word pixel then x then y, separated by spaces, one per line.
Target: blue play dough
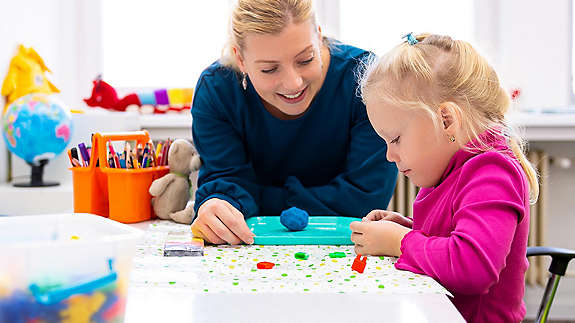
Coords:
pixel 294 219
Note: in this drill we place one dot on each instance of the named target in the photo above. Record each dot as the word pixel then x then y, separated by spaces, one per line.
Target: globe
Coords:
pixel 37 127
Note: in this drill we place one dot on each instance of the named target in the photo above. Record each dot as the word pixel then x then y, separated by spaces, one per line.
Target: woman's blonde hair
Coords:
pixel 451 71
pixel 263 17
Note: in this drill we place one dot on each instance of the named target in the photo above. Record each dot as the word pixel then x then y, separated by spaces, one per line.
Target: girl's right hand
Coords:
pixel 218 222
pixel 384 215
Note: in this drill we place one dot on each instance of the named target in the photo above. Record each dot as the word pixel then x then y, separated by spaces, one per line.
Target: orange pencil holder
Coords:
pixel 117 193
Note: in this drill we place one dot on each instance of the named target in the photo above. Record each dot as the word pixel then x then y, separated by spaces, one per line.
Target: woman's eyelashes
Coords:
pixel 395 140
pixel 271 70
pixel 307 61
pixel 301 63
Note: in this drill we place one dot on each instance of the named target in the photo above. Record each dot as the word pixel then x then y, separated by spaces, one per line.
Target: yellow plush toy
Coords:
pixel 25 76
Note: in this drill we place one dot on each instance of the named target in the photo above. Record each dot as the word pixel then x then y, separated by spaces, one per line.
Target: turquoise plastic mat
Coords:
pixel 321 230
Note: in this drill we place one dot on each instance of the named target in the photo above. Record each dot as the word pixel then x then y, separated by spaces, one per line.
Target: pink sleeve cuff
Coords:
pixel 403 262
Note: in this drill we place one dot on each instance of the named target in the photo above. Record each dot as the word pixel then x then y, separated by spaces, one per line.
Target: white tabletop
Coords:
pixel 225 286
pixel 168 305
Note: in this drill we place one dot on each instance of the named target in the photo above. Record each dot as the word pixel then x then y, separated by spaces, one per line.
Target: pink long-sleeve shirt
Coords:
pixel 470 234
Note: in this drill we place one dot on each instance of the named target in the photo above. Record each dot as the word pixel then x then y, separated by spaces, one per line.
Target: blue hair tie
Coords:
pixel 410 39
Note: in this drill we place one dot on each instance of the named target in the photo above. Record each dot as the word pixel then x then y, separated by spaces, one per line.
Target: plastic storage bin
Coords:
pixel 118 193
pixel 64 268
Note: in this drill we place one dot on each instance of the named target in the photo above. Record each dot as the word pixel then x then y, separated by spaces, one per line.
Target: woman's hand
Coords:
pixel 379 215
pixel 219 222
pixel 378 238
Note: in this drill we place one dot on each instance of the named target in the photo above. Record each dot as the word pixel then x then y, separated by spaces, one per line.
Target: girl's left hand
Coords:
pixel 378 238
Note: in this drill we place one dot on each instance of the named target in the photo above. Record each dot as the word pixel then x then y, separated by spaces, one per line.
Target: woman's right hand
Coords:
pixel 384 215
pixel 218 222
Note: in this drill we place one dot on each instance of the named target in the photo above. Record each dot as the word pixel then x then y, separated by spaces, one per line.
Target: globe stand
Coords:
pixel 36 177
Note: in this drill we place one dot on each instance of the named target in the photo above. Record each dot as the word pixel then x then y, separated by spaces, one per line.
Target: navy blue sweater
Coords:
pixel 329 161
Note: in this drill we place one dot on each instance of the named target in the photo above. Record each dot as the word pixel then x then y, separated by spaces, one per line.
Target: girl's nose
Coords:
pixel 391 155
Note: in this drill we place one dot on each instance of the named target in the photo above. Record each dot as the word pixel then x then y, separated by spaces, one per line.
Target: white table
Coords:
pixel 165 305
pixel 223 286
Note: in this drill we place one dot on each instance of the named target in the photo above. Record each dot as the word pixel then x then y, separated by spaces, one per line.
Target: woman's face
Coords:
pixel 286 69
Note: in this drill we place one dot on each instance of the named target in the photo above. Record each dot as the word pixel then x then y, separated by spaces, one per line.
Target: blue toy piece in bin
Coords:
pixel 294 219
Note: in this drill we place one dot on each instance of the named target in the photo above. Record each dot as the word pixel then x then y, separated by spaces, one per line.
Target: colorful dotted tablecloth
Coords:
pixel 233 269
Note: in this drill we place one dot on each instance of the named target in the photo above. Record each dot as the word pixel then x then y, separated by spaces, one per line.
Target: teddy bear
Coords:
pixel 171 193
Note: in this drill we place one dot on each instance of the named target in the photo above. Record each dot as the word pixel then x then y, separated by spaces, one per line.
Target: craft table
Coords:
pixel 225 286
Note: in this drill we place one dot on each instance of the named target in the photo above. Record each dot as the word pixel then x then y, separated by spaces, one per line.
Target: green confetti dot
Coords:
pixel 329 281
pixel 220 250
pixel 352 276
pixel 308 276
pixel 306 290
pixel 301 255
pixel 254 290
pixel 235 283
pixel 218 257
pixel 411 278
pixel 347 279
pixel 172 283
pixel 338 254
pixel 205 290
pixel 381 286
pixel 284 275
pixel 382 257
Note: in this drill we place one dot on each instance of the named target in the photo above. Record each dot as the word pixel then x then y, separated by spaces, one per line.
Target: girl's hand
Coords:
pixel 378 238
pixel 218 222
pixel 379 215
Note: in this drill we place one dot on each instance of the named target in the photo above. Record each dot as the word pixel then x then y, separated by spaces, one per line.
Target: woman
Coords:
pixel 277 123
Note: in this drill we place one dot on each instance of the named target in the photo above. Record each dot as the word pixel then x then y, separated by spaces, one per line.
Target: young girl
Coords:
pixel 440 108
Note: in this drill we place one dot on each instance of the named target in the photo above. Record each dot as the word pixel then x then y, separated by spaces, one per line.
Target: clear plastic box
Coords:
pixel 64 268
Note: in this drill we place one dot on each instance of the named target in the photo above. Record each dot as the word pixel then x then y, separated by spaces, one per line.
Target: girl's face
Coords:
pixel 420 150
pixel 286 69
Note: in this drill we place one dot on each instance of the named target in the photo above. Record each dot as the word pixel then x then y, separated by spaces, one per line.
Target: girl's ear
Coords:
pixel 450 116
pixel 239 59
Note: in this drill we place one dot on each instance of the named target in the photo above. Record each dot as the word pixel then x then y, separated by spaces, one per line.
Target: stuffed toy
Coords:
pixel 157 101
pixel 171 193
pixel 26 74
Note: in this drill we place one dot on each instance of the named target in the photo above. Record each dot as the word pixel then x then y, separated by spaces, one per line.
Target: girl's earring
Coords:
pixel 244 81
pixel 452 138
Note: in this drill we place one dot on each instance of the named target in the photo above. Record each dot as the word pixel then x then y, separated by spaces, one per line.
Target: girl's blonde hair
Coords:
pixel 450 71
pixel 263 17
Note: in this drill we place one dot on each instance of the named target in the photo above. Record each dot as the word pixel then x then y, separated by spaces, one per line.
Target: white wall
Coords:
pixel 55 29
pixel 535 49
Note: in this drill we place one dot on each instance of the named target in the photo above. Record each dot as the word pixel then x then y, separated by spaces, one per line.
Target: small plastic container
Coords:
pixel 64 268
pixel 120 194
